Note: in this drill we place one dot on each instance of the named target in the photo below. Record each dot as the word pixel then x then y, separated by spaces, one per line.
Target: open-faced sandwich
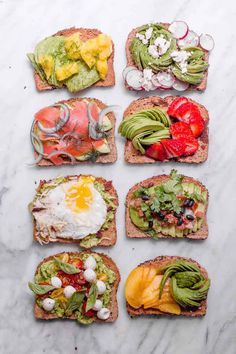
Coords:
pixel 167 285
pixel 173 206
pixel 75 58
pixel 78 286
pixel 162 56
pixel 75 209
pixel 162 129
pixel 75 131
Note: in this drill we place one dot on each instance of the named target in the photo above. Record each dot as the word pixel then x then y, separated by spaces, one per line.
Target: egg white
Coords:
pixel 58 220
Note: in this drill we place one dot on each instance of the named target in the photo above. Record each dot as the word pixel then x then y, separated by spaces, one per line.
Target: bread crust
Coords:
pixel 130 62
pixel 111 157
pixel 135 157
pixel 86 33
pixel 133 232
pixel 39 313
pixel 108 237
pixel 162 261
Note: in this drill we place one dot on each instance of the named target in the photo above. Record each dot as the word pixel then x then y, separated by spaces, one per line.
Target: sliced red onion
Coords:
pixel 179 29
pixel 207 42
pixel 93 127
pixel 165 79
pixel 191 40
pixel 134 78
pixel 126 70
pixel 180 85
pixel 61 152
pixel 63 120
pixel 38 148
pixel 105 111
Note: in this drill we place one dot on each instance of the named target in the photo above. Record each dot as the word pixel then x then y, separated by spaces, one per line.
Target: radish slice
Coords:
pixel 207 42
pixel 134 78
pixel 165 79
pixel 127 69
pixel 191 40
pixel 155 81
pixel 179 29
pixel 180 85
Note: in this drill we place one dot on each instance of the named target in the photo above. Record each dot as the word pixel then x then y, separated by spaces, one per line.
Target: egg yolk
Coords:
pixel 79 197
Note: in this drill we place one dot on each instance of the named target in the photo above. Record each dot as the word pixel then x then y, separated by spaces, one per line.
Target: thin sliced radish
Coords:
pixel 155 81
pixel 191 40
pixel 206 42
pixel 180 85
pixel 165 79
pixel 134 78
pixel 126 70
pixel 179 29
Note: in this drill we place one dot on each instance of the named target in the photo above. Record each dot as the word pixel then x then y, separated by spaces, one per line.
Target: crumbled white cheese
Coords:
pixel 148 33
pixel 160 47
pixel 146 81
pixel 152 50
pixel 181 57
pixel 142 38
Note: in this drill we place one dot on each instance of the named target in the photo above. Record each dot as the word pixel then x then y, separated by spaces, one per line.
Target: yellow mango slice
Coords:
pixel 67 70
pixel 102 68
pixel 47 63
pixel 170 308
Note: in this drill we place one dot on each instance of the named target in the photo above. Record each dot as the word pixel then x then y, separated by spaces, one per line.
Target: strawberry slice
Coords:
pixel 186 111
pixel 173 147
pixel 156 151
pixel 175 104
pixel 197 125
pixel 190 145
pixel 179 128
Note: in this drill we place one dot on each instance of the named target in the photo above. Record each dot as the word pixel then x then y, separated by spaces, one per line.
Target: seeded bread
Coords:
pixel 108 237
pixel 160 262
pixel 111 157
pixel 113 306
pixel 134 156
pixel 133 232
pixel 130 61
pixel 86 34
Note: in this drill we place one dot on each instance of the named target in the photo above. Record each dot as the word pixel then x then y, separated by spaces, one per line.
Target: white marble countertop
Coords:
pixel 23 24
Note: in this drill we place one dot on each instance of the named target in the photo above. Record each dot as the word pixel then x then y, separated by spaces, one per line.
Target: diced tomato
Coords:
pixel 176 103
pixel 199 214
pixel 173 147
pixel 89 313
pixel 156 151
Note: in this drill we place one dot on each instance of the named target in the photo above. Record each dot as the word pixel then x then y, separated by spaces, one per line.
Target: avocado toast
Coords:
pixel 79 286
pixel 74 131
pixel 167 285
pixel 158 60
pixel 165 206
pixel 76 57
pixel 162 129
pixel 75 209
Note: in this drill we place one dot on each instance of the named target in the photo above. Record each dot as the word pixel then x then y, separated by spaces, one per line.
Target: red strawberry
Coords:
pixel 173 147
pixel 186 111
pixel 156 151
pixel 191 145
pixel 179 128
pixel 197 125
pixel 175 104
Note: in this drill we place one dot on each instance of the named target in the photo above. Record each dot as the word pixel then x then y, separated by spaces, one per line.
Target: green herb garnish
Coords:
pixel 40 289
pixel 74 303
pixel 92 297
pixel 67 267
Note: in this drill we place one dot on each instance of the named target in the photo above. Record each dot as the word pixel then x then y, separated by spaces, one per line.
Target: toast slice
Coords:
pixel 162 261
pixel 134 156
pixel 106 237
pixel 130 62
pixel 39 313
pixel 107 158
pixel 133 232
pixel 85 33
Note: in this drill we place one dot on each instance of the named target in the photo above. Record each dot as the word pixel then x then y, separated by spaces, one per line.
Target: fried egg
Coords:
pixel 74 209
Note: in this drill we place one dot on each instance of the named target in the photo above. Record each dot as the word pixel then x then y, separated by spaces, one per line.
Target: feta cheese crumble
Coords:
pixel 181 57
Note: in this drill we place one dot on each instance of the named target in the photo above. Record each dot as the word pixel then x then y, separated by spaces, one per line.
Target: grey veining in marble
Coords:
pixel 23 24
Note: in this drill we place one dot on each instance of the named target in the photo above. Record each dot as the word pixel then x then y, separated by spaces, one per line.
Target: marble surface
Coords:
pixel 23 24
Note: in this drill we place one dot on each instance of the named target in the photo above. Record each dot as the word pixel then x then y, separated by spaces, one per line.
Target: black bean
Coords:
pixel 160 215
pixel 186 202
pixel 177 215
pixel 150 223
pixel 190 217
pixel 180 222
pixel 145 197
pixel 182 210
pixel 191 203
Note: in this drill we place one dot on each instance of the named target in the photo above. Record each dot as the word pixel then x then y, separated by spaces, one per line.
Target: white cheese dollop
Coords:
pixel 101 287
pixel 181 57
pixel 48 304
pixel 90 275
pixel 98 305
pixel 56 282
pixel 90 263
pixel 103 314
pixel 69 291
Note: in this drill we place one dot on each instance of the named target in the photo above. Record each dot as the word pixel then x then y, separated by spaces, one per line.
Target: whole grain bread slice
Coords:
pixel 108 237
pixel 113 306
pixel 160 262
pixel 130 62
pixel 85 34
pixel 133 232
pixel 134 156
pixel 111 157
